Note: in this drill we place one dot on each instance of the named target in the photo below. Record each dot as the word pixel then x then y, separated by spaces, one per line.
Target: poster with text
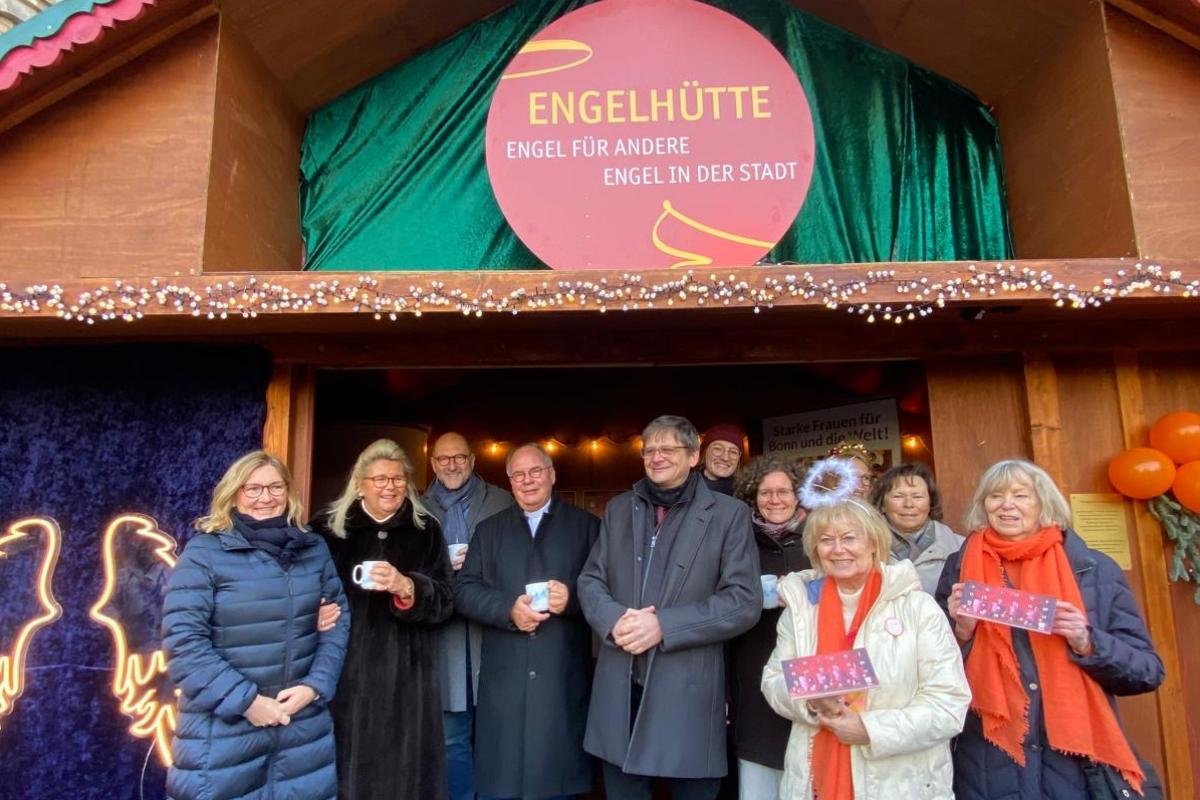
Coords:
pixel 812 433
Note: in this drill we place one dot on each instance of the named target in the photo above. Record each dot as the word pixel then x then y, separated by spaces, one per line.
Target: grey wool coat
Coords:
pixel 454 632
pixel 710 594
pixel 533 687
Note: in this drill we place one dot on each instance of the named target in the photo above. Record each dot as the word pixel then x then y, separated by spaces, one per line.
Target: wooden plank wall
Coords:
pixel 1062 152
pixel 253 219
pixel 113 182
pixel 978 417
pixel 1156 81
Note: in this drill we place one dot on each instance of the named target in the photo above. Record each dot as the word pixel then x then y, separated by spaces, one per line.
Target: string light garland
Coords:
pixel 918 297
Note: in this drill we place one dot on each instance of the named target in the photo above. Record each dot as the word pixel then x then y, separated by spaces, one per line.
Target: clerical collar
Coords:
pixel 539 511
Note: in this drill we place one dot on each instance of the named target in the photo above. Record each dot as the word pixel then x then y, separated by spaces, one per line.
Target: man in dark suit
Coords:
pixel 673 576
pixel 534 675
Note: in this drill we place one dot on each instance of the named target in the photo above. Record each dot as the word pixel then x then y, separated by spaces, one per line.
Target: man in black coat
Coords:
pixel 534 679
pixel 673 576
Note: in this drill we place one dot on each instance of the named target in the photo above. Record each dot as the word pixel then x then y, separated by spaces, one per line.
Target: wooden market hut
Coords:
pixel 149 157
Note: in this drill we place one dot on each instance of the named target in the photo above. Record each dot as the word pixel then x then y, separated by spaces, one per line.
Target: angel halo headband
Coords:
pixel 814 493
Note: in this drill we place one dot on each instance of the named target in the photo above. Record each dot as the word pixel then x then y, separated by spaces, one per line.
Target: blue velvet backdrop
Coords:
pixel 87 433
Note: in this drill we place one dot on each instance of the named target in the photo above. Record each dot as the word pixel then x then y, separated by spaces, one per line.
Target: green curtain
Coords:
pixel 908 164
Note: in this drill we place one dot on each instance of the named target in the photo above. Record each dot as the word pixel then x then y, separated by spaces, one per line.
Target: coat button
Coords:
pixel 533 634
pixel 1037 748
pixel 1033 687
pixel 532 674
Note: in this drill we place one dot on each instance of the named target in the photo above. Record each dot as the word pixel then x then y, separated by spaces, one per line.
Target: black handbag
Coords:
pixel 1105 782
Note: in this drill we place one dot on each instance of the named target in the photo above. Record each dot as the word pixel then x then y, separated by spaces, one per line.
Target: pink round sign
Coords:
pixel 649 133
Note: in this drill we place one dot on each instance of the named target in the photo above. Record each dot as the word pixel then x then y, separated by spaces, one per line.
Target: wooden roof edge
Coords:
pixel 884 291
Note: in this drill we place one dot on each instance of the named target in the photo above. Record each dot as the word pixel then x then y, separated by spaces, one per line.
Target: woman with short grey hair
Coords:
pixel 1015 743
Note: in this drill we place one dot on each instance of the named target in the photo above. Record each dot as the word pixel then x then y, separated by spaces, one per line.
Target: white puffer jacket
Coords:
pixel 919 705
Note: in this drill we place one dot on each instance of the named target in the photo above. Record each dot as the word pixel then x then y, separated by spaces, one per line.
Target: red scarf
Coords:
pixel 1080 721
pixel 831 775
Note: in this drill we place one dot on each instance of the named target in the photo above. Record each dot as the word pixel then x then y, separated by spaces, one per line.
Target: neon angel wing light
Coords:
pixel 137 556
pixel 41 537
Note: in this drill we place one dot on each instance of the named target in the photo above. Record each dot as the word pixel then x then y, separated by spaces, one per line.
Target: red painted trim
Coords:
pixel 81 29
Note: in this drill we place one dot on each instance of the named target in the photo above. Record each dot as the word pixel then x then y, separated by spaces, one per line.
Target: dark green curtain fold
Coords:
pixel 908 164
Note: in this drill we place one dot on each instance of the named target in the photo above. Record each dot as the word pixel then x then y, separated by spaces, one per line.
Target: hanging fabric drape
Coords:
pixel 908 164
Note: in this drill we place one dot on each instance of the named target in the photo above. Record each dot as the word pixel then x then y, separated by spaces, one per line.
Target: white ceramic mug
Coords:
pixel 539 595
pixel 770 590
pixel 361 575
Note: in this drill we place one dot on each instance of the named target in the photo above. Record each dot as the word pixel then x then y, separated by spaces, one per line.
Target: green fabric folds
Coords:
pixel 908 164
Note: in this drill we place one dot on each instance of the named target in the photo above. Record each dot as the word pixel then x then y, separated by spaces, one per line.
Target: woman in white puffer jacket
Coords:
pixel 896 736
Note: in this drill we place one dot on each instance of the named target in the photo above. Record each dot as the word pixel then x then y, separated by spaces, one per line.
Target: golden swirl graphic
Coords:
pixel 44 532
pixel 137 675
pixel 552 46
pixel 690 259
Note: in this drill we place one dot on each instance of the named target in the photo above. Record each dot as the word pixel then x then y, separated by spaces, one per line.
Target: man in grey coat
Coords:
pixel 460 500
pixel 673 576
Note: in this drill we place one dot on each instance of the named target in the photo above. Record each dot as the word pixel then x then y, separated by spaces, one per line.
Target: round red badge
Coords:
pixel 649 133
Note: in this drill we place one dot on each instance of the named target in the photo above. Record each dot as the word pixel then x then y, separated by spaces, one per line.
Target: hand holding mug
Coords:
pixel 392 580
pixel 559 595
pixel 458 555
pixel 524 617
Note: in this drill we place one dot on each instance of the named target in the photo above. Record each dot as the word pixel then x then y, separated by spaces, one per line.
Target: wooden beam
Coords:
pixel 277 427
pixel 881 291
pixel 1149 541
pixel 304 406
pixel 288 428
pixel 1045 419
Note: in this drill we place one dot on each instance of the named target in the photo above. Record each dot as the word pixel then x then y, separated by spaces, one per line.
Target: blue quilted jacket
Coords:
pixel 1123 662
pixel 236 624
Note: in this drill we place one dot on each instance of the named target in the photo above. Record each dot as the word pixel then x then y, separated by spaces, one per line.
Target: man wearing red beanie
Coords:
pixel 721 451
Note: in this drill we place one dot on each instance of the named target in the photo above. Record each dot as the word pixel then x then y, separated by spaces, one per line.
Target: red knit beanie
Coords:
pixel 725 432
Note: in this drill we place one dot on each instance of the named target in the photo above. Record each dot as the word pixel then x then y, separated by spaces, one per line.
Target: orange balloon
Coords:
pixel 1187 486
pixel 1141 473
pixel 1178 435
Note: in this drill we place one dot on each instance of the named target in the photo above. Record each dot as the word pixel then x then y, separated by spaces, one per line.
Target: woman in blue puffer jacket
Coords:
pixel 240 629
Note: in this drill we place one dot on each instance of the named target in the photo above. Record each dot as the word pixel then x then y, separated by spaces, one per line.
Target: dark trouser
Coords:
pixel 620 785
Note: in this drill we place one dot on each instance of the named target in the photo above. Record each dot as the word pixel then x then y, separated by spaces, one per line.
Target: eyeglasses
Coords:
pixel 849 541
pixel 667 451
pixel 382 481
pixel 444 461
pixel 254 490
pixel 534 474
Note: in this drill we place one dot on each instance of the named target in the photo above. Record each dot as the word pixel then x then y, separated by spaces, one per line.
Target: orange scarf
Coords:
pixel 832 778
pixel 1080 721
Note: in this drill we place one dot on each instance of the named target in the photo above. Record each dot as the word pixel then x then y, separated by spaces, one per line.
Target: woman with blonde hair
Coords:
pixel 392 558
pixel 892 740
pixel 239 628
pixel 1016 744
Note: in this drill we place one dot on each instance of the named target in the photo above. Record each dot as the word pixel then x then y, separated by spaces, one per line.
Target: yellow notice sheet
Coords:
pixel 1100 520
